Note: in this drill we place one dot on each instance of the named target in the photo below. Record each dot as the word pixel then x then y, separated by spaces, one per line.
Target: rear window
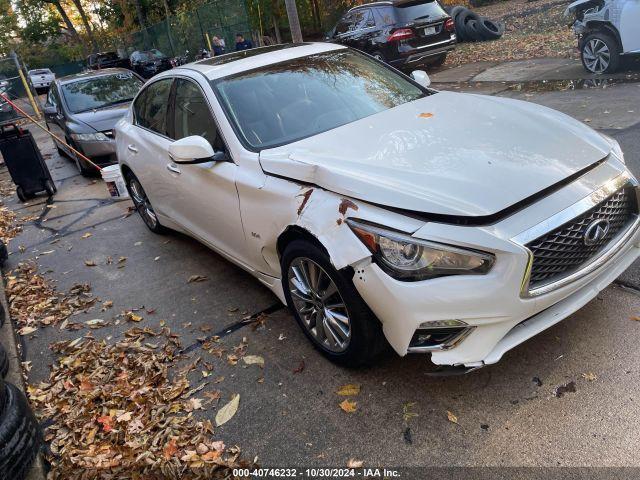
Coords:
pixel 420 11
pixel 42 71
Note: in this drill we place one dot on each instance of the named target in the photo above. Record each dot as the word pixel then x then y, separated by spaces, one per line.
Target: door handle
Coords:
pixel 172 167
pixel 132 148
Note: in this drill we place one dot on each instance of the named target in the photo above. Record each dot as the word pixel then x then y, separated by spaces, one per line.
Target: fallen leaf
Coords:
pixel 589 376
pixel 26 330
pixel 636 319
pixel 170 449
pixel 349 390
pixel 227 412
pixel 106 422
pixel 197 278
pixel 353 463
pixel 299 368
pixel 426 115
pixel 253 360
pixel 452 418
pixel 90 263
pixel 133 317
pixel 348 406
pixel 87 235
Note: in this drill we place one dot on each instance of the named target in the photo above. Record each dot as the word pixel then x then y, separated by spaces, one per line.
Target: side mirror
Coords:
pixel 193 149
pixel 50 110
pixel 421 77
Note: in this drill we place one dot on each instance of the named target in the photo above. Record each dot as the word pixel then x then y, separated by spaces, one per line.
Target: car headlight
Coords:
pixel 90 137
pixel 410 259
pixel 615 147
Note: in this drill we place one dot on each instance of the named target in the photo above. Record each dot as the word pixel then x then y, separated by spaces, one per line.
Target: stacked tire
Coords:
pixel 20 436
pixel 471 27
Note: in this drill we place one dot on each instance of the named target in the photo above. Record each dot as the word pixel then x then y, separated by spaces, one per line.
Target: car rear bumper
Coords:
pixel 424 54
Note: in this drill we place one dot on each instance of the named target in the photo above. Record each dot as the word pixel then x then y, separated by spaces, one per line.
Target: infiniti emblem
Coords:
pixel 596 231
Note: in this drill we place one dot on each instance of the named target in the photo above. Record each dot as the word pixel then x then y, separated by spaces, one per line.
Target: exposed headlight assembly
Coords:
pixel 90 137
pixel 410 259
pixel 615 147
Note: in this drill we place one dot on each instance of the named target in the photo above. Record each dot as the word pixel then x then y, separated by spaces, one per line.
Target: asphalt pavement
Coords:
pixel 507 414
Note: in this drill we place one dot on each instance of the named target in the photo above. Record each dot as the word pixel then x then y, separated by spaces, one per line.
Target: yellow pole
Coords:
pixel 31 99
pixel 206 34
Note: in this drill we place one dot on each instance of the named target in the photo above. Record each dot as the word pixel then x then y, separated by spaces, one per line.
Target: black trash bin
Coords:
pixel 25 163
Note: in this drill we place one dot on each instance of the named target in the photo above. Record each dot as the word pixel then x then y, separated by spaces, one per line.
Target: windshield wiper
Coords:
pixel 105 105
pixel 421 17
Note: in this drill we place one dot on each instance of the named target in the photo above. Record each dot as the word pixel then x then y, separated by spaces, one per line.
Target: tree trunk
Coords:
pixel 275 17
pixel 87 25
pixel 294 21
pixel 167 13
pixel 142 20
pixel 315 8
pixel 68 23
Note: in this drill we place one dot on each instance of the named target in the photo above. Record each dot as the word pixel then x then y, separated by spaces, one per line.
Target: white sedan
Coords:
pixel 379 210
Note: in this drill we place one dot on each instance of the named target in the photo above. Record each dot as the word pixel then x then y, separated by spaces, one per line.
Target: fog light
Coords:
pixel 443 324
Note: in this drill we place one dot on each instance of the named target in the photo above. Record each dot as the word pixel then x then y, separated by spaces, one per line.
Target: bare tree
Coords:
pixel 67 21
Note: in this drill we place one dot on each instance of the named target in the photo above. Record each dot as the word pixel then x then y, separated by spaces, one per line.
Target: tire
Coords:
pixel 439 61
pixel 489 30
pixel 20 436
pixel 83 169
pixel 143 204
pixel 472 32
pixel 363 339
pixel 4 362
pixel 3 396
pixel 21 195
pixel 378 56
pixel 455 11
pixel 50 188
pixel 461 23
pixel 597 50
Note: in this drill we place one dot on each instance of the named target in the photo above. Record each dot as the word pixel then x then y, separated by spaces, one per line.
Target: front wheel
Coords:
pixel 600 53
pixel 142 203
pixel 328 307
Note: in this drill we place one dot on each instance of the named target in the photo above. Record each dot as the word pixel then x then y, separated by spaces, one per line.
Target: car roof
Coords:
pixel 92 74
pixel 237 62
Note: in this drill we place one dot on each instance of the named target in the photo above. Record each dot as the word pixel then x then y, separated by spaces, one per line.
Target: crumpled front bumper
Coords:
pixel 498 314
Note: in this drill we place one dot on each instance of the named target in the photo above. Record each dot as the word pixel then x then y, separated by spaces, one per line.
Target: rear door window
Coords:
pixel 344 24
pixel 362 19
pixel 150 108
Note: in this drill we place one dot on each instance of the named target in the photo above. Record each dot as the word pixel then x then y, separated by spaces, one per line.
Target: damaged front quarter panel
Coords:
pixel 585 11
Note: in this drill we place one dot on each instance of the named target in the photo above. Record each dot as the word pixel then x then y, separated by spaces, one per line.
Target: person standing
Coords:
pixel 218 46
pixel 241 43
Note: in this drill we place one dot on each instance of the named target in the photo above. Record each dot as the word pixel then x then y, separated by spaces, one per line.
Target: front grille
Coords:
pixel 562 251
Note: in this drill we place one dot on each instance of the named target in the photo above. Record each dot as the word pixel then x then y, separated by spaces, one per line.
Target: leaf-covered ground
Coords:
pixel 533 30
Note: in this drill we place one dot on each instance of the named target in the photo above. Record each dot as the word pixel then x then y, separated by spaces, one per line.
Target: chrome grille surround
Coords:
pixel 556 239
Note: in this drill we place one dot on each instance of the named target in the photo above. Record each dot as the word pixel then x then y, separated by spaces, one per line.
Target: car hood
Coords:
pixel 103 119
pixel 448 153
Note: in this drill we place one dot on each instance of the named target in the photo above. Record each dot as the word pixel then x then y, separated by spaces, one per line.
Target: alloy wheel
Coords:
pixel 142 203
pixel 319 304
pixel 596 55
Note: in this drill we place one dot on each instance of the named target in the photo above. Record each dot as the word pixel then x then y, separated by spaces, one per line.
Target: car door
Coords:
pixel 54 116
pixel 629 30
pixel 206 198
pixel 146 143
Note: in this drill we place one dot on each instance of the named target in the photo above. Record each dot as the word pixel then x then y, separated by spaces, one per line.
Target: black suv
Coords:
pixel 403 33
pixel 97 61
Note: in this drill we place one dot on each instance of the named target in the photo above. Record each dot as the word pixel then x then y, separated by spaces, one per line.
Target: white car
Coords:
pixel 606 31
pixel 41 78
pixel 380 210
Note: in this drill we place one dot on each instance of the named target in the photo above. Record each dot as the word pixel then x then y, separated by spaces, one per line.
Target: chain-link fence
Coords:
pixel 11 86
pixel 191 30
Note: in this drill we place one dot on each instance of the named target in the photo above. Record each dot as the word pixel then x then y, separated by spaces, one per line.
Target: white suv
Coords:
pixel 606 31
pixel 380 210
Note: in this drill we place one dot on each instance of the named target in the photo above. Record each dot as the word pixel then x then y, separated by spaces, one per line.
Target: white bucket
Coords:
pixel 112 176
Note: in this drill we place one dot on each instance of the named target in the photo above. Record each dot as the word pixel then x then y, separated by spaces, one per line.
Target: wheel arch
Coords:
pixel 600 26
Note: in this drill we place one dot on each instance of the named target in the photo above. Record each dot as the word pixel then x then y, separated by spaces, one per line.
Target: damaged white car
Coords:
pixel 607 30
pixel 380 210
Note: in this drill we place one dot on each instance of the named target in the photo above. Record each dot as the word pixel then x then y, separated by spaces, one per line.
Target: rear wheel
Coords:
pixel 378 56
pixel 142 203
pixel 600 53
pixel 439 60
pixel 328 307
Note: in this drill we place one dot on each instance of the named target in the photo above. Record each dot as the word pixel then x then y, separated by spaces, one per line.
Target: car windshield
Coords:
pixel 418 10
pixel 288 101
pixel 107 56
pixel 100 92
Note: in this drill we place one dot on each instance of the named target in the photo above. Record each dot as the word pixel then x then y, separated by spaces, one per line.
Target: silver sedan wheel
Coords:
pixel 142 203
pixel 319 304
pixel 596 55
